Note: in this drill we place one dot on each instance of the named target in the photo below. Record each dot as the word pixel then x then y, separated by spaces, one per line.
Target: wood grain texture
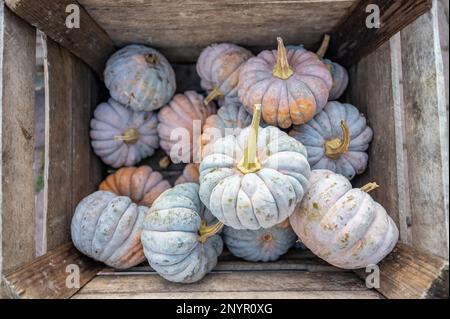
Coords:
pixel 46 276
pixel 17 208
pixel 353 40
pixel 408 273
pixel 181 29
pixel 89 42
pixel 426 134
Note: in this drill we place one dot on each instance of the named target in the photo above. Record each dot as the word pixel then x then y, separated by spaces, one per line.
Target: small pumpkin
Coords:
pixel 255 179
pixel 107 228
pixel 140 77
pixel 259 245
pixel 121 136
pixel 180 237
pixel 231 118
pixel 190 174
pixel 338 72
pixel 142 184
pixel 343 225
pixel 291 85
pixel 218 67
pixel 336 139
pixel 181 113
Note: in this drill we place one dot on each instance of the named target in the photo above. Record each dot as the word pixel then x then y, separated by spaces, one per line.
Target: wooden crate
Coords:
pixel 398 76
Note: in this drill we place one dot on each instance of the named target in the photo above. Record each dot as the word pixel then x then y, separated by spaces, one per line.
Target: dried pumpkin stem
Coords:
pixel 250 163
pixel 130 136
pixel 206 231
pixel 324 46
pixel 335 147
pixel 369 187
pixel 214 94
pixel 151 59
pixel 282 70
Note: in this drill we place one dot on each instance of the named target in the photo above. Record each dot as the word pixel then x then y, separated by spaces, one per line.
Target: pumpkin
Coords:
pixel 141 184
pixel 338 72
pixel 341 225
pixel 336 139
pixel 231 118
pixel 291 85
pixel 259 245
pixel 121 136
pixel 180 117
pixel 180 237
pixel 140 77
pixel 255 179
pixel 107 228
pixel 190 174
pixel 218 67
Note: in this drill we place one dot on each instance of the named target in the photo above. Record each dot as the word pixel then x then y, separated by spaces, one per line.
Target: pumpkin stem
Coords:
pixel 324 46
pixel 130 136
pixel 206 231
pixel 250 163
pixel 369 187
pixel 151 59
pixel 282 69
pixel 215 93
pixel 268 237
pixel 335 147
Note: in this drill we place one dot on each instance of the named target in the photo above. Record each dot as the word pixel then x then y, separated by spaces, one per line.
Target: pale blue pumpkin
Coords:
pixel 179 241
pixel 140 77
pixel 259 245
pixel 336 139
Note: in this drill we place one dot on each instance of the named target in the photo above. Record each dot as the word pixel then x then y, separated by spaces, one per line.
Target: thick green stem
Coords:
pixel 250 163
pixel 215 93
pixel 130 136
pixel 335 147
pixel 206 231
pixel 282 70
pixel 324 46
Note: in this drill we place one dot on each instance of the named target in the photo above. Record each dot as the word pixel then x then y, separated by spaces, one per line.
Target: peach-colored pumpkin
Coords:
pixel 141 184
pixel 190 174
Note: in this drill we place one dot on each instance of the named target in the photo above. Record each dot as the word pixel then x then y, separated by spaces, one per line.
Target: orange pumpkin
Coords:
pixel 141 184
pixel 190 174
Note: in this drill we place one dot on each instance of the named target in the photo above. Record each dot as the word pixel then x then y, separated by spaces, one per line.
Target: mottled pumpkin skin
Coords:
pixel 231 118
pixel 340 79
pixel 171 236
pixel 190 174
pixel 140 77
pixel 325 126
pixel 107 228
pixel 181 112
pixel 259 245
pixel 141 184
pixel 111 120
pixel 285 102
pixel 218 66
pixel 255 200
pixel 341 225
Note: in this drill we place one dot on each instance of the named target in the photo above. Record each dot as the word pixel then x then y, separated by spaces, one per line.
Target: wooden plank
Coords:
pixel 411 273
pixel 88 42
pixel 17 208
pixel 426 133
pixel 352 40
pixel 181 29
pixel 46 276
pixel 369 294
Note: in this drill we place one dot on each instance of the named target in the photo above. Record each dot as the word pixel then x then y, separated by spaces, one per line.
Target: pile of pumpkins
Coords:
pixel 275 164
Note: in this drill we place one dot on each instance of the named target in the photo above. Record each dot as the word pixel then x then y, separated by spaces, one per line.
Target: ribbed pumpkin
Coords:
pixel 181 113
pixel 336 139
pixel 218 67
pixel 107 228
pixel 255 179
pixel 231 118
pixel 291 85
pixel 179 235
pixel 338 72
pixel 140 77
pixel 190 174
pixel 121 136
pixel 341 225
pixel 259 245
pixel 141 184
